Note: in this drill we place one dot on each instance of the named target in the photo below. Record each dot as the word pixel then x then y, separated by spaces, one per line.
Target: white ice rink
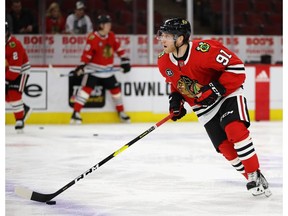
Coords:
pixel 172 171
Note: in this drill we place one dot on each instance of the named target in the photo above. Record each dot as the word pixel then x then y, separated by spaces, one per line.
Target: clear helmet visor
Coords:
pixel 165 35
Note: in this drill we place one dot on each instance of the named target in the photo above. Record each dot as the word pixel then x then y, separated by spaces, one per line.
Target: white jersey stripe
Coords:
pixel 22 82
pixel 15 69
pixel 241 108
pixel 237 69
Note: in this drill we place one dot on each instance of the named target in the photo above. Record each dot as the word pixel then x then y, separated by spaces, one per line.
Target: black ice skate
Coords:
pixel 257 184
pixel 20 123
pixel 124 117
pixel 76 118
pixel 19 126
pixel 27 112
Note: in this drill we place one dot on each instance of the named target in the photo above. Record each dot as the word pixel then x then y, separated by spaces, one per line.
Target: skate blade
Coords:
pixel 127 121
pixel 257 191
pixel 75 122
pixel 267 192
pixel 19 131
pixel 261 191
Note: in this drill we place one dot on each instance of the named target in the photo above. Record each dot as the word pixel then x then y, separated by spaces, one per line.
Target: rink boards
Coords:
pixel 145 96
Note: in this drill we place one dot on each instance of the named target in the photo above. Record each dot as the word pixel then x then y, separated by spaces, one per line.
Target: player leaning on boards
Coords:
pixel 17 71
pixel 210 78
pixel 98 57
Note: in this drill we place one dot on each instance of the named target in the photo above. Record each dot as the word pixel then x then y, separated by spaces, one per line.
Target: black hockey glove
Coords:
pixel 15 84
pixel 79 70
pixel 6 86
pixel 125 65
pixel 210 93
pixel 176 107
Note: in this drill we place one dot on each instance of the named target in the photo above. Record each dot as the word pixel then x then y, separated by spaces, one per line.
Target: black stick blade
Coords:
pixel 32 195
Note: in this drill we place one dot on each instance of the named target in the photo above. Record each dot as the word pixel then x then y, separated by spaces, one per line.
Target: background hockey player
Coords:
pixel 17 70
pixel 98 56
pixel 209 77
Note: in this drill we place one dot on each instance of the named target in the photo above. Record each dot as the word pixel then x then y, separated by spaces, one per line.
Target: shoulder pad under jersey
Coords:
pixel 91 37
pixel 12 44
pixel 161 54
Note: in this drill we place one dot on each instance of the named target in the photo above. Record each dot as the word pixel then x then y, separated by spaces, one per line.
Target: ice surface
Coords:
pixel 172 171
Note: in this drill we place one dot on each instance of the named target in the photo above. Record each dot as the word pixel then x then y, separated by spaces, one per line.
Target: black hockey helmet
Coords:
pixel 7 32
pixel 177 27
pixel 103 19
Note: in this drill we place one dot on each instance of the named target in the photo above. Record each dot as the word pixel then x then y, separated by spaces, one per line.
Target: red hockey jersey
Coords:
pixel 16 59
pixel 99 51
pixel 207 60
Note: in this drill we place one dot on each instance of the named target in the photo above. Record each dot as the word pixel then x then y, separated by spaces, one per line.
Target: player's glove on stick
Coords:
pixel 176 102
pixel 6 86
pixel 125 65
pixel 210 93
pixel 79 70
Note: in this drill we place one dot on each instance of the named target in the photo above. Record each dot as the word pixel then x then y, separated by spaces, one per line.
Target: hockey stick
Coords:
pixel 92 72
pixel 39 197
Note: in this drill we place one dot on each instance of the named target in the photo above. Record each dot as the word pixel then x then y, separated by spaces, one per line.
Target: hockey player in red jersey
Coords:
pixel 209 77
pixel 98 57
pixel 17 70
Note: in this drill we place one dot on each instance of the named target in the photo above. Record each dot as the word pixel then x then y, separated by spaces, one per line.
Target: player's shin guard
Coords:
pixel 118 102
pixel 18 109
pixel 228 151
pixel 81 98
pixel 14 98
pixel 237 164
pixel 247 154
pixel 238 134
pixel 117 99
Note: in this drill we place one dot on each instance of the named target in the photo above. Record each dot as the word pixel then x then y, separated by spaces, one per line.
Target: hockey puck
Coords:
pixel 95 134
pixel 52 202
pixel 41 128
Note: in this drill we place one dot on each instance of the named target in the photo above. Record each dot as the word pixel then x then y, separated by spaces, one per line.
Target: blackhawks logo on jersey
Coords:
pixel 203 47
pixel 107 51
pixel 190 88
